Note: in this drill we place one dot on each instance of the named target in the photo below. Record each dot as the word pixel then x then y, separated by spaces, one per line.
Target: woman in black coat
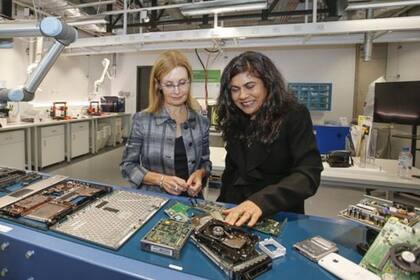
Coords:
pixel 272 161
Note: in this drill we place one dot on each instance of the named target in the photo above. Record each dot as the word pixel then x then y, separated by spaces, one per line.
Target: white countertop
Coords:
pixel 383 175
pixel 21 125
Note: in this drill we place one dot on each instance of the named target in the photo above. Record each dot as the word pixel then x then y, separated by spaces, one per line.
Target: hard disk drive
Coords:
pixel 231 248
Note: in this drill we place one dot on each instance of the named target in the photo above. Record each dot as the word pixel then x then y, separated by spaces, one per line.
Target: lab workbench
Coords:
pixel 382 175
pixel 58 136
pixel 28 253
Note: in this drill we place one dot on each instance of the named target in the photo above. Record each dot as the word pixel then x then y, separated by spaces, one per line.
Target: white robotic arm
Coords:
pixel 49 27
pixel 98 83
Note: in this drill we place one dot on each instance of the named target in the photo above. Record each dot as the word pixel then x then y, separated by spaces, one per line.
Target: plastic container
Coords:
pixel 405 162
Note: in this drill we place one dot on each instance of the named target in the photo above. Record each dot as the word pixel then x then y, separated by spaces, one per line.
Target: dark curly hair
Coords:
pixel 265 127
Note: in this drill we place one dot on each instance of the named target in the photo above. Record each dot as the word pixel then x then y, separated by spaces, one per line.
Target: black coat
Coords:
pixel 279 176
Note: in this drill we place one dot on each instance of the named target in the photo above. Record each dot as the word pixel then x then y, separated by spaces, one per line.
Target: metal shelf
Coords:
pixel 316 96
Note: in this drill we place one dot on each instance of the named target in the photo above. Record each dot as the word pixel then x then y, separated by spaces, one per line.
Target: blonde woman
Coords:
pixel 168 147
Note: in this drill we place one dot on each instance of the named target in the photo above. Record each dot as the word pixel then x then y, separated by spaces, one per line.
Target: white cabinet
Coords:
pixel 79 139
pixel 12 149
pixel 51 145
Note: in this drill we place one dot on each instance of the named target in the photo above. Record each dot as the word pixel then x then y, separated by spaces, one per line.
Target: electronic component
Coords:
pixel 267 226
pixel 14 179
pixel 207 206
pixel 395 253
pixel 374 212
pixel 272 248
pixel 178 212
pixel 231 248
pixel 111 219
pixel 315 247
pixel 29 190
pixel 167 238
pixel 270 226
pixel 52 202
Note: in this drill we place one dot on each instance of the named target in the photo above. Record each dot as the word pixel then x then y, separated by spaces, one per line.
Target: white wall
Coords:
pixel 13 64
pixel 70 79
pixel 333 64
pixel 403 65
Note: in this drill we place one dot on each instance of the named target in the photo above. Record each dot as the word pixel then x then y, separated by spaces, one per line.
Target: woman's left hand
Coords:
pixel 247 211
pixel 194 182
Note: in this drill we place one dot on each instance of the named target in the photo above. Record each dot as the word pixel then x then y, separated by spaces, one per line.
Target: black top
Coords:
pixel 279 176
pixel 181 163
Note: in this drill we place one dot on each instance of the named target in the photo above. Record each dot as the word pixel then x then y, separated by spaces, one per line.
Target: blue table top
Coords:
pixel 132 260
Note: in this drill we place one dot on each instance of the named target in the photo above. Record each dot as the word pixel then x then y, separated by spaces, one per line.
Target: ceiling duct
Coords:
pixel 61 8
pixel 6 8
pixel 336 8
pixel 222 6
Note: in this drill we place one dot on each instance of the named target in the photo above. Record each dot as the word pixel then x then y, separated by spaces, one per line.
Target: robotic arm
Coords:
pixel 97 84
pixel 63 34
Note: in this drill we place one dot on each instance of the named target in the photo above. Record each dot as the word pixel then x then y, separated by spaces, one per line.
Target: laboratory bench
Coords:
pixel 28 253
pixel 40 144
pixel 381 175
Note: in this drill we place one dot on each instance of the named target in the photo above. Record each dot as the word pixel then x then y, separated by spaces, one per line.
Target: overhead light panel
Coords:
pixel 222 6
pixel 87 22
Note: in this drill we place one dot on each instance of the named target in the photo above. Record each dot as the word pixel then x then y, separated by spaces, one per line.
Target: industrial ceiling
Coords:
pixel 110 26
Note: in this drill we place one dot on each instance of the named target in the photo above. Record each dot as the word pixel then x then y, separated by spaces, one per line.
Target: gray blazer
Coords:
pixel 151 146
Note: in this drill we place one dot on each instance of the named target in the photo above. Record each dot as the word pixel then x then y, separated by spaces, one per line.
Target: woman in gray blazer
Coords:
pixel 168 147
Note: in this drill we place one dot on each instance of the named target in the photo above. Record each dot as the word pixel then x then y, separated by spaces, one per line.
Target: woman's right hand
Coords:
pixel 174 185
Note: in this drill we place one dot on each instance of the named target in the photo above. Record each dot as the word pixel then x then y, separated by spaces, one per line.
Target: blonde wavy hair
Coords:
pixel 163 65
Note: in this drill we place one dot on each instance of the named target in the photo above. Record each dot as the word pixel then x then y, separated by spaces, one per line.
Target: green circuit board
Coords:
pixel 178 212
pixel 207 206
pixel 270 226
pixel 395 253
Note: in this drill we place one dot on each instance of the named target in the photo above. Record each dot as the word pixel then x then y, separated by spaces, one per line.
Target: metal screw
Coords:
pixel 3 272
pixel 29 254
pixel 4 246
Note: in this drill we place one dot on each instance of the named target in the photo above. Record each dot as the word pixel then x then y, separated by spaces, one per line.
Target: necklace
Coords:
pixel 179 115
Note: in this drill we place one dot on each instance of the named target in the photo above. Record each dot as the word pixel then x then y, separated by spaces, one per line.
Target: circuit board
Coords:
pixel 52 202
pixel 178 212
pixel 112 219
pixel 267 226
pixel 207 206
pixel 374 212
pixel 14 179
pixel 395 253
pixel 167 238
pixel 270 226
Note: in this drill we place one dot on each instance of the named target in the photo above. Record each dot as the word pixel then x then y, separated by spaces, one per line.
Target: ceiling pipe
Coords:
pixel 32 8
pixel 368 46
pixel 227 17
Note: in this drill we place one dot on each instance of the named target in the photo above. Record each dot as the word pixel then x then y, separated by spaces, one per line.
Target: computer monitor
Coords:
pixel 397 102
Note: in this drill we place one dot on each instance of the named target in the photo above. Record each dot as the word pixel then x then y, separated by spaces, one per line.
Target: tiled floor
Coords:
pixel 104 167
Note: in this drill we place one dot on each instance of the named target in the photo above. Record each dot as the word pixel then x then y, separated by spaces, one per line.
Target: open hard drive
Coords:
pixel 231 248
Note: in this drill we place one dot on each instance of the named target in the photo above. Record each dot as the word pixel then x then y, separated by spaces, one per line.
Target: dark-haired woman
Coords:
pixel 272 161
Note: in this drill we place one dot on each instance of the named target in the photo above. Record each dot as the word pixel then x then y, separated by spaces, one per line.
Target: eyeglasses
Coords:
pixel 181 86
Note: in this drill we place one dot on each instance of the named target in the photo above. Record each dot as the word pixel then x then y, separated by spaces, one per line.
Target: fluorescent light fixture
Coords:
pixel 383 4
pixel 87 22
pixel 222 6
pixel 144 17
